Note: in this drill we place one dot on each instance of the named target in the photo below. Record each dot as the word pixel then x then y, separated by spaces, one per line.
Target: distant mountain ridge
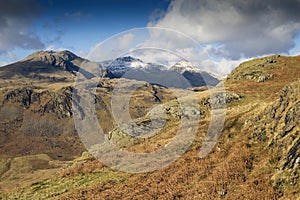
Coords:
pixel 137 68
pixel 118 67
pixel 46 64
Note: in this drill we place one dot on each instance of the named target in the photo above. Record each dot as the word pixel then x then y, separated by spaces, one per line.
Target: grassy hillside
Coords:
pixel 256 157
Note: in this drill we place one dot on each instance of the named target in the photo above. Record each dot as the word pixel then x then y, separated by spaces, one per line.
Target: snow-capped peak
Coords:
pixel 119 66
pixel 183 66
pixel 123 63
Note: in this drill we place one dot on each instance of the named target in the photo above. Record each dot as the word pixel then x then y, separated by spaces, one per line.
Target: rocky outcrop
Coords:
pixel 279 126
pixel 291 120
pixel 221 100
pixel 59 103
pixel 174 109
pixel 156 119
pixel 22 96
pixel 254 74
pixel 256 70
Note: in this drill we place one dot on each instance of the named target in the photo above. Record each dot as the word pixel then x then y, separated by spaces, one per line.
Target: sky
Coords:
pixel 230 31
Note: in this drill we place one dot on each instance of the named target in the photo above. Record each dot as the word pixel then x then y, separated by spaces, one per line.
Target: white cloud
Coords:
pixel 249 28
pixel 125 40
pixel 158 56
pixel 161 46
pixel 224 66
pixel 216 34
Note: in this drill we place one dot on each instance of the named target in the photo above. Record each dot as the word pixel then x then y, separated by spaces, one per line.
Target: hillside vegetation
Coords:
pixel 256 157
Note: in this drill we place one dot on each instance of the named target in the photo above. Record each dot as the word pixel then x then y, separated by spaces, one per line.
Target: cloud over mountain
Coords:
pixel 238 28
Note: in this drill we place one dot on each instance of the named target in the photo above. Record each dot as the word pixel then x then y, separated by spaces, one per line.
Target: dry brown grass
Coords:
pixel 239 167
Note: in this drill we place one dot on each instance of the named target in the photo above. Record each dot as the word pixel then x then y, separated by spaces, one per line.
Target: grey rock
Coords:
pixel 59 103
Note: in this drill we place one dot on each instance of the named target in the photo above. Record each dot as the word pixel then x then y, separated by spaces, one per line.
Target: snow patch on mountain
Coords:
pixel 119 67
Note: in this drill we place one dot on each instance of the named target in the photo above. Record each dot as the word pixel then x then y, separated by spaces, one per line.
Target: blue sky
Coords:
pixel 79 25
pixel 231 31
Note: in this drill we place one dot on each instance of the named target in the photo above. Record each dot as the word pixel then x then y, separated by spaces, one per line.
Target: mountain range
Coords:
pixel 50 64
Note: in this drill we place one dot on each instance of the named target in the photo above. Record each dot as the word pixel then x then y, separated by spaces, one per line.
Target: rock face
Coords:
pixel 43 102
pixel 22 96
pixel 280 126
pixel 287 114
pixel 35 120
pixel 221 100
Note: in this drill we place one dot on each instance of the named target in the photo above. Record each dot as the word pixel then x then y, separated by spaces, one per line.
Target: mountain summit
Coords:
pixel 43 62
pixel 51 55
pixel 194 75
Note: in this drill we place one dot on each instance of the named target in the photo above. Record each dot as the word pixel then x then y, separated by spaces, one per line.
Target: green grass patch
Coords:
pixel 54 188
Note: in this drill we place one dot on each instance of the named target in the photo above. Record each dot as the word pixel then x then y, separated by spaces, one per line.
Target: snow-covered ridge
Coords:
pixel 184 66
pixel 197 77
pixel 121 65
pixel 128 62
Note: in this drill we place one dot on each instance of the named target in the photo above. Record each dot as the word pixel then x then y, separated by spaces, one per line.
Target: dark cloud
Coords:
pixel 16 16
pixel 247 27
